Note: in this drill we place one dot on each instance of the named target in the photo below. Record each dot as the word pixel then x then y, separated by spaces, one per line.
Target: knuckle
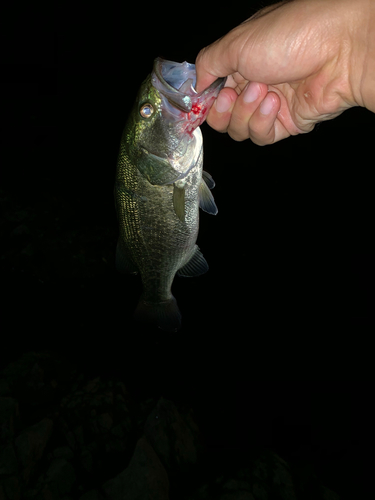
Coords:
pixel 237 136
pixel 200 56
pixel 262 138
pixel 261 133
pixel 260 142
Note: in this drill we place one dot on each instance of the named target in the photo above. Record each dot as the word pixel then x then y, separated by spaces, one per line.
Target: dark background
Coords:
pixel 275 344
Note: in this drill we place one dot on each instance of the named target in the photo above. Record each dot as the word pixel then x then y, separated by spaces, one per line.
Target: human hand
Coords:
pixel 291 66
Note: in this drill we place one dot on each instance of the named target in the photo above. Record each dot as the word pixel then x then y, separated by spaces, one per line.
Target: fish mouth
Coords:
pixel 181 103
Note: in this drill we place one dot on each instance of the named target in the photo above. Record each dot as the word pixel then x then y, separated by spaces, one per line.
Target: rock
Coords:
pixel 20 230
pixel 11 488
pixel 118 431
pixel 63 452
pixel 59 480
pixel 9 415
pixel 26 370
pixel 259 491
pixel 281 477
pixel 174 437
pixel 144 478
pixel 96 422
pixel 92 495
pixel 78 434
pixel 271 475
pixel 8 460
pixel 4 390
pixel 237 495
pixel 30 445
pixel 235 489
pixel 69 436
pixel 308 485
pixel 264 476
pixel 86 460
pixel 9 482
pixel 328 494
pixel 105 422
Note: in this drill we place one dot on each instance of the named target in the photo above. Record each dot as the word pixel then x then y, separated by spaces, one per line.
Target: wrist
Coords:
pixel 363 57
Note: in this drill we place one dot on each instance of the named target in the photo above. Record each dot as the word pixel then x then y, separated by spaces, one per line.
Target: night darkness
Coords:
pixel 274 350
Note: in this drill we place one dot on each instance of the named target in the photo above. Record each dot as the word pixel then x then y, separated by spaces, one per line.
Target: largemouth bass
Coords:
pixel 160 186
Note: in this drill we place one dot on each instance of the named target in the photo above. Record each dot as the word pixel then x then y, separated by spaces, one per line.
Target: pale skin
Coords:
pixel 290 66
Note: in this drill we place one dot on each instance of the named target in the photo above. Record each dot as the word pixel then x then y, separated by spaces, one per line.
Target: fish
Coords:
pixel 160 186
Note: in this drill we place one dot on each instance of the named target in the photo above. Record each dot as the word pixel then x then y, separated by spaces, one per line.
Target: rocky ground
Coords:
pixel 67 436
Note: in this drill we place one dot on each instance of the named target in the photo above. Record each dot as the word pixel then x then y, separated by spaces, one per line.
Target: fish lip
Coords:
pixel 176 98
pixel 182 101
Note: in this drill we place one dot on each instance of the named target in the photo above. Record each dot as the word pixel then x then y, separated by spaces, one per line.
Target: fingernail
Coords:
pixel 266 105
pixel 223 103
pixel 252 92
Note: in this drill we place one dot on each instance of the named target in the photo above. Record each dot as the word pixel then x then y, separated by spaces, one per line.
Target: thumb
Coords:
pixel 215 61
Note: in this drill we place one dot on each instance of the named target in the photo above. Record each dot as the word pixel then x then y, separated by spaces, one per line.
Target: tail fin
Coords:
pixel 166 314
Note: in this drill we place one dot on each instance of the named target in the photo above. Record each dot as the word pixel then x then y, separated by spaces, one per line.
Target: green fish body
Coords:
pixel 160 186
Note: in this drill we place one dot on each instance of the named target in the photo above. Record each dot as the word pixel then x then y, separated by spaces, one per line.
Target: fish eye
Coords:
pixel 146 110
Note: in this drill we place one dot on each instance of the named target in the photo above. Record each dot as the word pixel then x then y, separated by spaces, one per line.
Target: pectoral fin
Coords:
pixel 208 179
pixel 206 200
pixel 179 200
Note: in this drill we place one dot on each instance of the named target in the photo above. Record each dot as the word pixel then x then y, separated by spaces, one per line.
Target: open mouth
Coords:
pixel 176 82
